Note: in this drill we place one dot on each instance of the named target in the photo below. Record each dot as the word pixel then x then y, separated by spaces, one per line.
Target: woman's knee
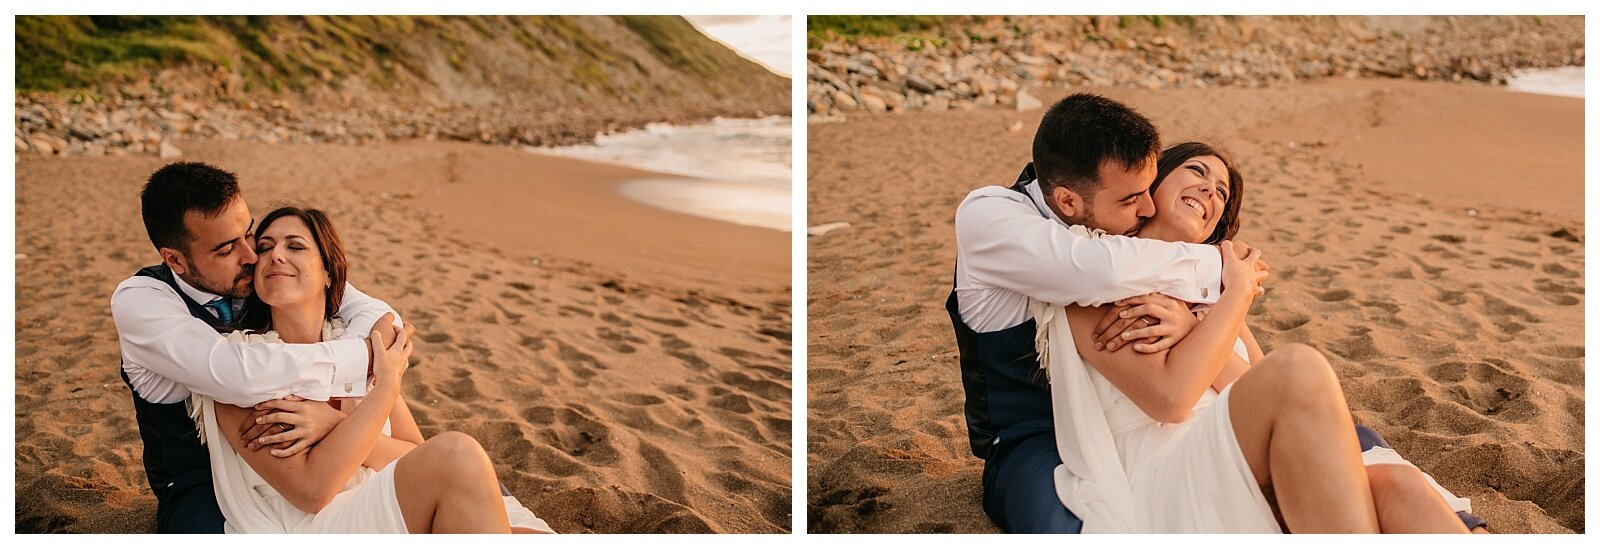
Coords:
pixel 455 451
pixel 1302 369
pixel 1300 377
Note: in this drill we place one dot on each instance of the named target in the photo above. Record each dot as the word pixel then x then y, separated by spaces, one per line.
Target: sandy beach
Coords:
pixel 1426 237
pixel 627 368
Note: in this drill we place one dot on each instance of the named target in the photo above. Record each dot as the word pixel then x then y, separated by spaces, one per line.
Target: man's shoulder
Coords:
pixel 139 284
pixel 994 200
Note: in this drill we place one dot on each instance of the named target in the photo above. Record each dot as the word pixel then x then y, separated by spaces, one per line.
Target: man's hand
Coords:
pixel 1152 322
pixel 291 423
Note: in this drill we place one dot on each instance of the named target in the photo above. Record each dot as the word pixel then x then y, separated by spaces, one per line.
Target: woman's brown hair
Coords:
pixel 1176 155
pixel 257 316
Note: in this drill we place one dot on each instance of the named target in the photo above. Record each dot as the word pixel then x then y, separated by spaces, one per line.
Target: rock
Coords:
pixel 168 151
pixel 937 104
pixel 22 144
pixel 892 101
pixel 842 100
pixel 826 228
pixel 84 132
pixel 1008 87
pixel 48 145
pixel 920 84
pixel 1027 102
pixel 874 103
pixel 1014 127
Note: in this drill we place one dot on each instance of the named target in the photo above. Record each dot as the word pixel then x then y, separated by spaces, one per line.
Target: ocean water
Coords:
pixel 737 170
pixel 1562 81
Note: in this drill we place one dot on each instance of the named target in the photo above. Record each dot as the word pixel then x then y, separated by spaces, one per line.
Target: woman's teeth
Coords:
pixel 1192 203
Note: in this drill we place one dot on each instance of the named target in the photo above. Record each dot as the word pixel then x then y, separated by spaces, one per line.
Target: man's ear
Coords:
pixel 174 260
pixel 1068 203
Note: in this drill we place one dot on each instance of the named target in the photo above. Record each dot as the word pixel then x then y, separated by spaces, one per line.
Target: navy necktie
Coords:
pixel 224 308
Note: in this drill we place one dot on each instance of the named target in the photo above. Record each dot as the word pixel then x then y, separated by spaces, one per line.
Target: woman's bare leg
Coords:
pixel 1407 504
pixel 447 486
pixel 1293 425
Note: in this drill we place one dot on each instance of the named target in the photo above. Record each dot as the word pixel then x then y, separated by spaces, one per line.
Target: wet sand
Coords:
pixel 1426 237
pixel 626 367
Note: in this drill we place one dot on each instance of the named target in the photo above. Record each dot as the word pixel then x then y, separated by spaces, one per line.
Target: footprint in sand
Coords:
pixel 579 435
pixel 640 399
pixel 679 349
pixel 673 322
pixel 1285 321
pixel 1485 388
pixel 1558 270
pixel 1334 295
pixel 578 360
pixel 1511 261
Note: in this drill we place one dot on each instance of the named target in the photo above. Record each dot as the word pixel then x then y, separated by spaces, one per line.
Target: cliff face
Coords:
pixel 500 79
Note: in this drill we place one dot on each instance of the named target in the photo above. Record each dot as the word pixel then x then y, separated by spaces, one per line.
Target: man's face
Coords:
pixel 1123 201
pixel 221 255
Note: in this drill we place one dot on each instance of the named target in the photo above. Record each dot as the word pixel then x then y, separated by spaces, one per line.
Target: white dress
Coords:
pixel 366 504
pixel 1123 472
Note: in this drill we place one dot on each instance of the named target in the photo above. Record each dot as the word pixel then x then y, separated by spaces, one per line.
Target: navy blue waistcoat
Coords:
pixel 1007 397
pixel 173 454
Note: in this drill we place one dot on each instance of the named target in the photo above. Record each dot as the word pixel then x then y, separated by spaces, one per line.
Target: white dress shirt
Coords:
pixel 1010 247
pixel 166 352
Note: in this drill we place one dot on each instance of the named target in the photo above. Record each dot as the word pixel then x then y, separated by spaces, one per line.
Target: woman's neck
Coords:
pixel 298 323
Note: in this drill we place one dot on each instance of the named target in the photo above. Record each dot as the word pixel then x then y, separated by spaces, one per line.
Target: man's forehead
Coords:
pixel 230 220
pixel 1115 174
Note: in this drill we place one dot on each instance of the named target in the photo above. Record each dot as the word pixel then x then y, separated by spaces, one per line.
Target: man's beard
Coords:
pixel 234 290
pixel 1087 220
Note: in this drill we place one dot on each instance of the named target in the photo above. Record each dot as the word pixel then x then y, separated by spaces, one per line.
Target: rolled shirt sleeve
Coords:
pixel 1004 242
pixel 167 353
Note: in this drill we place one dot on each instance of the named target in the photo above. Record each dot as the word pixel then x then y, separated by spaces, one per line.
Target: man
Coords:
pixel 1093 162
pixel 168 317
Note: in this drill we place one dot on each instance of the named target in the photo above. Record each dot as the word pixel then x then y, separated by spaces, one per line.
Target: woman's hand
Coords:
pixel 291 423
pixel 1152 322
pixel 389 364
pixel 1242 268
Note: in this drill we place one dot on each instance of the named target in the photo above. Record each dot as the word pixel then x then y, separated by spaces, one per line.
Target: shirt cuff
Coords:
pixel 349 369
pixel 1208 273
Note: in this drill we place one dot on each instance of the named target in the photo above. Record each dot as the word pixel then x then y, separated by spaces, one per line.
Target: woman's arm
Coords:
pixel 404 436
pixel 1251 347
pixel 1165 385
pixel 1237 366
pixel 310 479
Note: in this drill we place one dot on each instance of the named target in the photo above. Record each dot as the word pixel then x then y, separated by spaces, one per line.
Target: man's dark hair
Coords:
pixel 1083 131
pixel 175 190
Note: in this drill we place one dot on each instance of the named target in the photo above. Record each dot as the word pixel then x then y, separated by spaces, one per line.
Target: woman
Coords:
pixel 374 473
pixel 1196 438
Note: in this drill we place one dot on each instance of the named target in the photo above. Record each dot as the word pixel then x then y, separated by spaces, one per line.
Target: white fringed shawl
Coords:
pixel 1090 480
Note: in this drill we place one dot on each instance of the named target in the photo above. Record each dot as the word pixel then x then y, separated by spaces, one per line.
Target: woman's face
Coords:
pixel 289 268
pixel 1190 201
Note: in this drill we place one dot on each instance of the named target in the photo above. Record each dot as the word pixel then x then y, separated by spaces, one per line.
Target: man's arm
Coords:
pixel 360 311
pixel 1006 244
pixel 158 334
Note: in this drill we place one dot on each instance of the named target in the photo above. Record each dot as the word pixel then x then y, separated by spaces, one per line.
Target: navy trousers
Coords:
pixel 1019 489
pixel 190 507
